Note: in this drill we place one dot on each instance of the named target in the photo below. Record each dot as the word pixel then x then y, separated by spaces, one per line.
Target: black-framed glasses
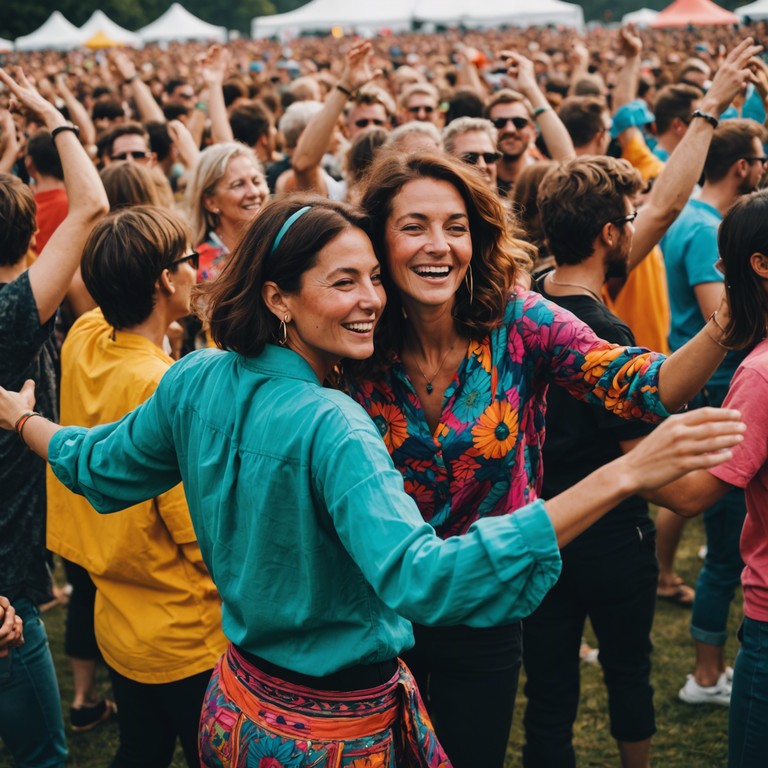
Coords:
pixel 364 122
pixel 421 108
pixel 135 155
pixel 193 258
pixel 628 219
pixel 518 122
pixel 472 158
pixel 756 159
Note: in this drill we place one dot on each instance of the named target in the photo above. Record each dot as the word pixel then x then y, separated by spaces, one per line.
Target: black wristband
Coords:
pixel 66 127
pixel 344 90
pixel 711 119
pixel 129 80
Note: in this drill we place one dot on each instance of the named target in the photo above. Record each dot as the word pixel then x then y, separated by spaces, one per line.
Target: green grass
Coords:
pixel 687 737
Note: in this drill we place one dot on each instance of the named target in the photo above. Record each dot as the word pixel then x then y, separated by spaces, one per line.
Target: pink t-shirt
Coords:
pixel 749 470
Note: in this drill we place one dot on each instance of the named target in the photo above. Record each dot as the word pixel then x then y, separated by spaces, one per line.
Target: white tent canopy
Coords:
pixel 755 11
pixel 6 45
pixel 179 24
pixel 641 18
pixel 56 34
pixel 100 22
pixel 323 15
pixel 487 13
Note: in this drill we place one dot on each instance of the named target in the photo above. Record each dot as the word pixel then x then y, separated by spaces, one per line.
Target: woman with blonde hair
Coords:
pixel 226 191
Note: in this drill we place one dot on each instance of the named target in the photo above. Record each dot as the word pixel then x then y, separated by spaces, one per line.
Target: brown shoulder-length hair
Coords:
pixel 497 252
pixel 232 304
pixel 744 231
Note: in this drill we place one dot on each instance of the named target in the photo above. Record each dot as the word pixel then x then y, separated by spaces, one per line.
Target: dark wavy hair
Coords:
pixel 743 232
pixel 232 304
pixel 497 254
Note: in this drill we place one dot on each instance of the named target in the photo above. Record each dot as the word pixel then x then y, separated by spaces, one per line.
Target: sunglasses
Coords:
pixel 415 110
pixel 138 155
pixel 193 258
pixel 472 158
pixel 518 122
pixel 630 217
pixel 364 122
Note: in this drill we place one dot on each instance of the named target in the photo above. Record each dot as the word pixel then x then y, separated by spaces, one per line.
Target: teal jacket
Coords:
pixel 320 557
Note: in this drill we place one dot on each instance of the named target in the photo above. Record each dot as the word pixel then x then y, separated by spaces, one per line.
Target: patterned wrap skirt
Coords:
pixel 253 720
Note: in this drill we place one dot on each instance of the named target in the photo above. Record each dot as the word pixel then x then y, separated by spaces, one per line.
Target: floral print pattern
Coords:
pixel 484 458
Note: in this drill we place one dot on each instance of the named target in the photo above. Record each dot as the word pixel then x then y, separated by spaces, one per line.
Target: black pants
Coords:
pixel 617 590
pixel 468 679
pixel 151 717
pixel 79 635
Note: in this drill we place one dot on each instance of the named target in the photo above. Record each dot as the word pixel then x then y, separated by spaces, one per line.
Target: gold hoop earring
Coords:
pixel 469 281
pixel 282 332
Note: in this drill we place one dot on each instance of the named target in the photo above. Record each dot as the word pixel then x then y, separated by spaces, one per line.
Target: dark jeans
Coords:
pixel 31 724
pixel 468 680
pixel 151 717
pixel 617 590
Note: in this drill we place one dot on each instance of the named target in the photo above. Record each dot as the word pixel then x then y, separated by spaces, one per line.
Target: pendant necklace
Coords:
pixel 429 379
pixel 574 285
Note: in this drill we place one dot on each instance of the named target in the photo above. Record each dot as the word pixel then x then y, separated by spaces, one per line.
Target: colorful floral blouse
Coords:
pixel 484 458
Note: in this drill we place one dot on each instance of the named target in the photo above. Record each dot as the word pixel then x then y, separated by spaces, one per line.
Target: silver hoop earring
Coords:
pixel 282 332
pixel 469 281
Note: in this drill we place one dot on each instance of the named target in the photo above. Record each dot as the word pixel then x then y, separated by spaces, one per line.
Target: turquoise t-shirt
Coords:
pixel 302 520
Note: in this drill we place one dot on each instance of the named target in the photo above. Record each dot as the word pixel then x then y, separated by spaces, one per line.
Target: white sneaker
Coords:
pixel 719 693
pixel 729 675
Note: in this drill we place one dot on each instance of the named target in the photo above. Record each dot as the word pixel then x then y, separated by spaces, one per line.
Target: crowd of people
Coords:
pixel 340 375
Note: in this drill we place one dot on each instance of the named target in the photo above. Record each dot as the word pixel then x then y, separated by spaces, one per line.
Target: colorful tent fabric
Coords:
pixel 696 13
pixel 100 22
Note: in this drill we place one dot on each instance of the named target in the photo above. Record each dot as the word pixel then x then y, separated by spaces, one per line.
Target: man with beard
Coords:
pixel 733 167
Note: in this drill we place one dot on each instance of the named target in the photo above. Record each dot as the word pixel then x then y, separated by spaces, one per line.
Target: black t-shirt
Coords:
pixel 27 351
pixel 580 438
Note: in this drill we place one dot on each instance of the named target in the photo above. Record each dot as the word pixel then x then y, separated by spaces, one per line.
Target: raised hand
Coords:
pixel 123 64
pixel 13 405
pixel 357 67
pixel 213 64
pixel 520 71
pixel 630 44
pixel 29 99
pixel 734 73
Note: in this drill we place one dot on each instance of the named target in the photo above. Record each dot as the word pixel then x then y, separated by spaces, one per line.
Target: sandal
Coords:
pixel 679 594
pixel 83 719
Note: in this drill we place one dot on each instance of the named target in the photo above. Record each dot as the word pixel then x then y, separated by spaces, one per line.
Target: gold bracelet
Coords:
pixel 713 318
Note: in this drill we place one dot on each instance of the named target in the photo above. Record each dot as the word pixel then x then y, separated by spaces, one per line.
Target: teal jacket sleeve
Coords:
pixel 120 464
pixel 498 572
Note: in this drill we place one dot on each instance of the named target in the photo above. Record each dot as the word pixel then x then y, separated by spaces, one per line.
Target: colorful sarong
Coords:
pixel 253 720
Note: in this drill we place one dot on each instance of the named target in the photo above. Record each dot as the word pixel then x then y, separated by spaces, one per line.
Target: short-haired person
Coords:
pixel 673 109
pixel 473 141
pixel 457 388
pixel 253 125
pixel 733 167
pixel 127 141
pixel 302 520
pixel 157 615
pixel 420 101
pixel 369 107
pixel 31 724
pixel 588 121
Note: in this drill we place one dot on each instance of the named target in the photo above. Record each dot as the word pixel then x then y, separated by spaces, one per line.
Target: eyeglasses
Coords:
pixel 756 159
pixel 193 258
pixel 473 157
pixel 136 155
pixel 364 122
pixel 518 122
pixel 422 108
pixel 628 219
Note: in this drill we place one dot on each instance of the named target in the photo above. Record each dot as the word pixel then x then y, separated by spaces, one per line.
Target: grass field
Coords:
pixel 688 736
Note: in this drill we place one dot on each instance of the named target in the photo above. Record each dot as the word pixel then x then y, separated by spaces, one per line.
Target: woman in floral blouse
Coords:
pixel 464 356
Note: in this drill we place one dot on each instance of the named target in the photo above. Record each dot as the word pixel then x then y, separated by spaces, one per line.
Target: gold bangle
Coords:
pixel 713 318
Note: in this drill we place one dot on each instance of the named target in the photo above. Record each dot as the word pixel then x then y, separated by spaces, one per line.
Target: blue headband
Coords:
pixel 289 222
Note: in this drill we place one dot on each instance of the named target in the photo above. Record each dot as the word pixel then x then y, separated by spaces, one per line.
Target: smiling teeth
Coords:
pixel 359 327
pixel 433 271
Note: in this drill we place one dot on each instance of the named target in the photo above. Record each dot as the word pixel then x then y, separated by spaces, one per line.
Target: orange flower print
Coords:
pixel 597 361
pixel 482 351
pixel 496 430
pixel 372 761
pixel 391 423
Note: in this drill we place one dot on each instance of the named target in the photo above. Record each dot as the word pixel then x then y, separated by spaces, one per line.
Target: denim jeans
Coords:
pixel 721 573
pixel 31 723
pixel 748 715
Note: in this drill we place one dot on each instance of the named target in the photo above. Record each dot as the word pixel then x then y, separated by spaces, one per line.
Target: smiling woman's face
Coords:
pixel 428 242
pixel 240 193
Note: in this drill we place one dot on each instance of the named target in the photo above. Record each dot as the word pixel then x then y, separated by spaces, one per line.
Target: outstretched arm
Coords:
pixel 10 145
pixel 316 137
pixel 213 67
pixel 630 47
pixel 77 112
pixel 149 109
pixel 51 274
pixel 675 183
pixel 554 133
